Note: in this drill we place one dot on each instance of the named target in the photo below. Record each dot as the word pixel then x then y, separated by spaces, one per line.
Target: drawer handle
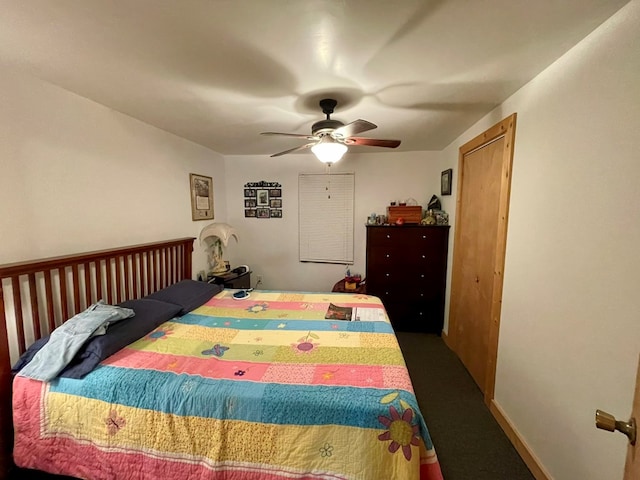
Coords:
pixel 388 274
pixel 422 275
pixel 424 256
pixel 424 236
pixel 421 313
pixel 422 294
pixel 388 255
pixel 388 236
pixel 386 293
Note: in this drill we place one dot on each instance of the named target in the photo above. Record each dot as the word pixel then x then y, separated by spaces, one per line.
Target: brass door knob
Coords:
pixel 606 421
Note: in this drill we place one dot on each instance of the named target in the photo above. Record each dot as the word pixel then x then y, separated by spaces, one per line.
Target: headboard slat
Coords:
pixel 109 279
pixel 35 311
pixel 147 283
pixel 127 281
pixel 135 265
pixel 118 293
pixel 99 292
pixel 17 308
pixel 64 299
pixel 48 295
pixel 76 288
pixel 87 284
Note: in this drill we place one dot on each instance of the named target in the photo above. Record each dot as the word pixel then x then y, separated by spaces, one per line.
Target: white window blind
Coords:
pixel 326 217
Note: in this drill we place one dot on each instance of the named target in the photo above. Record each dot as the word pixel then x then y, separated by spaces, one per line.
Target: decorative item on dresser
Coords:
pixel 406 268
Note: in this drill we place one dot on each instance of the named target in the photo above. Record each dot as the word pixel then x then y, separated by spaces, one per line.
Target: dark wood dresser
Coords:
pixel 406 268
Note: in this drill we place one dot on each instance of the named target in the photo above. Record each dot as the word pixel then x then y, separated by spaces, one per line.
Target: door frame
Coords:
pixel 505 128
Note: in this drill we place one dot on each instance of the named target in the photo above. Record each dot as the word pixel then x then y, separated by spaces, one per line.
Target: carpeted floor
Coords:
pixel 469 442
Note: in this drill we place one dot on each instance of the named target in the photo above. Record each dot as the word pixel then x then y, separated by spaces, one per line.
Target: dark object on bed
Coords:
pixel 148 315
pixel 188 294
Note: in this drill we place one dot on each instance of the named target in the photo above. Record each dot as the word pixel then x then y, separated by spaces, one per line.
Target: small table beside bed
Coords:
pixel 197 384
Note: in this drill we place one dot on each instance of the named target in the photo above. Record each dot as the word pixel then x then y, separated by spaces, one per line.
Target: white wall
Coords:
pixel 570 331
pixel 76 176
pixel 270 246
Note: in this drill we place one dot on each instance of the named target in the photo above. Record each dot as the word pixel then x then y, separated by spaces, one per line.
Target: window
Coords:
pixel 326 217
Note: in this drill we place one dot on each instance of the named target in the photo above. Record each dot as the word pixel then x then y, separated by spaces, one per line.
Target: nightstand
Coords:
pixel 233 279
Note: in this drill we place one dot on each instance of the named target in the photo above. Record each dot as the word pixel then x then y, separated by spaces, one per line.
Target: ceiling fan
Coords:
pixel 330 138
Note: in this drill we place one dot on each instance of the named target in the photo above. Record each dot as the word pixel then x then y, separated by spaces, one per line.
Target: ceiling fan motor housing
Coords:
pixel 325 126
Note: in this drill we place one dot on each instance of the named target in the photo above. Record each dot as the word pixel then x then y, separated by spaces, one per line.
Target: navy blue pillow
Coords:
pixel 189 294
pixel 149 314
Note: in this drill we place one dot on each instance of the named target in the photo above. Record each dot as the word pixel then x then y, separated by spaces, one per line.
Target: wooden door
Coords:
pixel 632 465
pixel 484 182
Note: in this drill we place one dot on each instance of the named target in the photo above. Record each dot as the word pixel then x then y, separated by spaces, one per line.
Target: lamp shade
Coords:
pixel 220 233
pixel 223 231
pixel 327 150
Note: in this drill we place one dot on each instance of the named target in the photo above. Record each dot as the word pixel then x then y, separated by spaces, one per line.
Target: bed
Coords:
pixel 259 388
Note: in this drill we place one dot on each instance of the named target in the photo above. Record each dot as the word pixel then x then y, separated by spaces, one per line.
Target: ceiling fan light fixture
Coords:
pixel 328 151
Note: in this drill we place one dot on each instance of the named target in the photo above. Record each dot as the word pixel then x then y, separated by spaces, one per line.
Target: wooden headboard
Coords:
pixel 37 296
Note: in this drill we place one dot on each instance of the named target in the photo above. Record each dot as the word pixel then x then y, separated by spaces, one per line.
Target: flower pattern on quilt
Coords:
pixel 114 422
pixel 304 345
pixel 160 334
pixel 258 307
pixel 217 350
pixel 326 450
pixel 400 431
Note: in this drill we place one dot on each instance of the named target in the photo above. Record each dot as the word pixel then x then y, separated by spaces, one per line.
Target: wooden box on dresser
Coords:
pixel 406 268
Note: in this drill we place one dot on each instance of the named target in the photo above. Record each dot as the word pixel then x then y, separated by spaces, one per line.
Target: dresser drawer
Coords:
pixel 416 316
pixel 405 277
pixel 386 257
pixel 412 237
pixel 401 293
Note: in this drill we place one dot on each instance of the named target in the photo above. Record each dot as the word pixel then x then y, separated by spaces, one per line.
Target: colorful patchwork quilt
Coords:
pixel 262 388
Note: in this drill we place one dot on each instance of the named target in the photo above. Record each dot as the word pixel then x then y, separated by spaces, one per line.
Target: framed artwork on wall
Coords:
pixel 263 199
pixel 262 213
pixel 201 197
pixel 445 182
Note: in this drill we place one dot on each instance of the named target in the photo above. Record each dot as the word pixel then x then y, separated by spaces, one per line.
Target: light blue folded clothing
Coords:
pixel 66 340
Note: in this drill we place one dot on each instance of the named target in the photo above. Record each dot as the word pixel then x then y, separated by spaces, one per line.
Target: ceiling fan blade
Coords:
pixel 372 142
pixel 353 128
pixel 298 135
pixel 295 149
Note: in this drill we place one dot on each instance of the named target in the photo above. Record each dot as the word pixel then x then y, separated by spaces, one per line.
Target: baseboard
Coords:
pixel 534 464
pixel 445 339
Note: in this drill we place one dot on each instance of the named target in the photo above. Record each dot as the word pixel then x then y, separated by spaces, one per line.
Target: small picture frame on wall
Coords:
pixel 250 203
pixel 275 192
pixel 250 212
pixel 445 182
pixel 263 198
pixel 276 213
pixel 201 197
pixel 249 192
pixel 262 213
pixel 275 202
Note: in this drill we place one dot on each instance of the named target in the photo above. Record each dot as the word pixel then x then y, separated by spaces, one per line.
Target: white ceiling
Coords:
pixel 219 72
